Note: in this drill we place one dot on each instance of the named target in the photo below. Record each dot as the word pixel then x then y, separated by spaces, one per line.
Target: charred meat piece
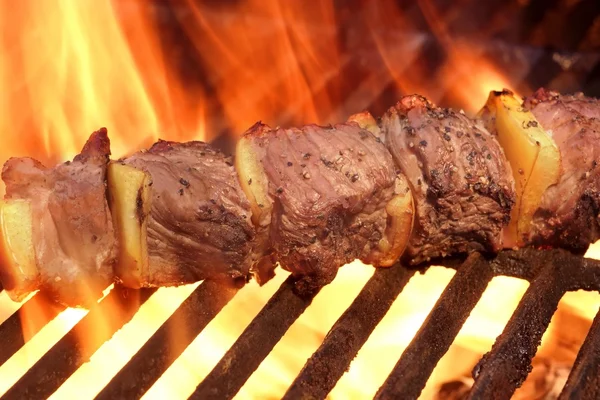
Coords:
pixel 460 179
pixel 323 197
pixel 568 213
pixel 182 216
pixel 65 211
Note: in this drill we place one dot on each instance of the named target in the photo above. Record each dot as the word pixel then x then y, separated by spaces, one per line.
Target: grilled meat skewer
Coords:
pixel 181 215
pixel 323 197
pixel 533 155
pixel 60 233
pixel 459 177
pixel 569 212
pixel 315 198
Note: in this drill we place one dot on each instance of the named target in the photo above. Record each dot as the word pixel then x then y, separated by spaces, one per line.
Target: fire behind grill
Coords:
pixel 551 274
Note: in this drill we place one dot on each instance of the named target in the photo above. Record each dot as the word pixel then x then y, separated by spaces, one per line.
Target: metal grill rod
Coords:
pixel 409 376
pixel 552 273
pixel 584 381
pixel 66 356
pixel 257 340
pixel 12 337
pixel 159 352
pixel 349 334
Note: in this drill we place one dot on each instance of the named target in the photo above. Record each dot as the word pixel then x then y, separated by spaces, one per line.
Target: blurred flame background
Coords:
pixel 207 70
pixel 192 69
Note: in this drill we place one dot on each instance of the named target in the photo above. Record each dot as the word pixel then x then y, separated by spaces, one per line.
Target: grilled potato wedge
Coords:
pixel 254 181
pixel 533 156
pixel 18 270
pixel 130 201
pixel 366 121
pixel 400 209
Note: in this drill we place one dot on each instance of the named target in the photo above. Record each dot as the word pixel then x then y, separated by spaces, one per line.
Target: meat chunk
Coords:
pixel 192 216
pixel 568 213
pixel 72 232
pixel 322 197
pixel 461 182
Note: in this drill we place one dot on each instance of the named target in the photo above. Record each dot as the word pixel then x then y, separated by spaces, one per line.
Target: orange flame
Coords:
pixel 69 69
pixel 464 76
pixel 278 73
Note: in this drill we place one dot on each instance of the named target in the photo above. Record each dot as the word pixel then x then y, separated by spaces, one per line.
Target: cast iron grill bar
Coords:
pixel 524 263
pixel 66 356
pixel 584 380
pixel 161 350
pixel 12 337
pixel 257 340
pixel 552 273
pixel 349 334
pixel 501 371
pixel 409 376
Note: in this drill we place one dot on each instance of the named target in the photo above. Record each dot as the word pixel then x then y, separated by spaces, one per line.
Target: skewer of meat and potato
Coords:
pixel 417 184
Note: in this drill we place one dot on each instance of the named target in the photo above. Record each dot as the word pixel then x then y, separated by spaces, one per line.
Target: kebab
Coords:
pixel 421 178
pixel 57 231
pixel 181 216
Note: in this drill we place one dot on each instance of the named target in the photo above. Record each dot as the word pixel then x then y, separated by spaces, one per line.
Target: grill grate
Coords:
pixel 11 331
pixel 439 330
pixel 552 273
pixel 155 357
pixel 66 356
pixel 584 381
pixel 349 334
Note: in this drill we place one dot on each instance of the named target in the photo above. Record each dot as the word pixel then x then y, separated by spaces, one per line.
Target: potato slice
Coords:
pixel 130 201
pixel 400 210
pixel 366 121
pixel 254 181
pixel 532 154
pixel 19 271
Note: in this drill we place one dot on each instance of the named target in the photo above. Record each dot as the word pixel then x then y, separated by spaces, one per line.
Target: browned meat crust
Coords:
pixel 74 238
pixel 328 187
pixel 199 225
pixel 461 182
pixel 568 213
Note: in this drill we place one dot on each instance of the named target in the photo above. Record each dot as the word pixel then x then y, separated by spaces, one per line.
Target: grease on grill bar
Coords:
pixel 551 273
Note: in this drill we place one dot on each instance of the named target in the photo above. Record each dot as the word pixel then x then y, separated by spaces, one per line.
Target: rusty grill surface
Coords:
pixel 499 373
